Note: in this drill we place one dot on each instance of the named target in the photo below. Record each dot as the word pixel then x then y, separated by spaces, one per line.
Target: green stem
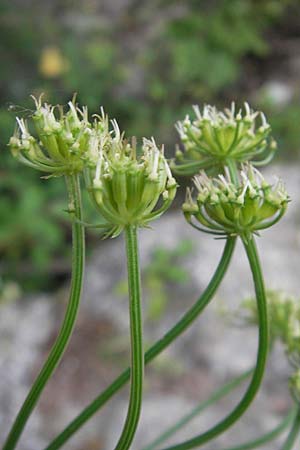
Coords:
pixel 293 434
pixel 136 337
pixel 63 337
pixel 254 385
pixel 231 164
pixel 271 435
pixel 217 395
pixel 153 351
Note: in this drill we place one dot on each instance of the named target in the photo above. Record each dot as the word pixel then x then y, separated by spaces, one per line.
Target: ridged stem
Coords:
pixel 293 434
pixel 189 317
pixel 257 377
pixel 65 332
pixel 233 171
pixel 136 339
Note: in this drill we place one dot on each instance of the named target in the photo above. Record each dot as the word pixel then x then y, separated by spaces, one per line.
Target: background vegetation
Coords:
pixel 146 62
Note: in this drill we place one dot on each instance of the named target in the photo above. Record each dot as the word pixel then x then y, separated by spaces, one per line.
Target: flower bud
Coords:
pixel 127 187
pixel 215 136
pixel 63 138
pixel 224 208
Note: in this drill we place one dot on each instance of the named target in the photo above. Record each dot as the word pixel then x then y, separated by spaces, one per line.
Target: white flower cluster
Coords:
pixel 126 185
pixel 62 139
pixel 216 136
pixel 222 206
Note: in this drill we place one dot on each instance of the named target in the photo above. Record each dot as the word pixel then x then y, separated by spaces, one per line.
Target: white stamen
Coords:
pixel 74 112
pixel 197 112
pixel 153 174
pixel 264 121
pixel 232 108
pixel 116 129
pixel 247 109
pixel 168 170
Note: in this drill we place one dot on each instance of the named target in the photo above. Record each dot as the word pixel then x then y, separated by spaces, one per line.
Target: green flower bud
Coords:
pixel 62 141
pixel 127 187
pixel 224 208
pixel 215 136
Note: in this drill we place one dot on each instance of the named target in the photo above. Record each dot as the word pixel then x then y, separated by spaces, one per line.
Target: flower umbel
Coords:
pixel 62 141
pixel 215 136
pixel 223 208
pixel 127 186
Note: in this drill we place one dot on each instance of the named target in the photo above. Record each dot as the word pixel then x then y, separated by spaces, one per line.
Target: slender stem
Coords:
pixel 293 434
pixel 271 435
pixel 231 164
pixel 153 351
pixel 136 333
pixel 217 395
pixel 254 385
pixel 63 337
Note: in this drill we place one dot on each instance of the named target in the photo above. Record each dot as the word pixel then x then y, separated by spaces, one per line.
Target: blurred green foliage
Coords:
pixel 145 62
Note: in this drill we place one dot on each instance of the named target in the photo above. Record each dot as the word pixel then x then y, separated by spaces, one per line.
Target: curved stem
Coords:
pixel 254 385
pixel 271 435
pixel 62 339
pixel 267 437
pixel 153 351
pixel 136 338
pixel 233 171
pixel 216 396
pixel 293 434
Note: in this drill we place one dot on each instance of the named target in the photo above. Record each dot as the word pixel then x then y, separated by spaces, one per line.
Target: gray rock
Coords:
pixel 25 326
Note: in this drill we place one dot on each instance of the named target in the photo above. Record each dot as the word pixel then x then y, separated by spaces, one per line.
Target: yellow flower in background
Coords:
pixel 52 62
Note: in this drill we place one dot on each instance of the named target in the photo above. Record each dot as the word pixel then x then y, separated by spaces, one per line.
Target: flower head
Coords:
pixel 222 207
pixel 127 184
pixel 62 138
pixel 215 136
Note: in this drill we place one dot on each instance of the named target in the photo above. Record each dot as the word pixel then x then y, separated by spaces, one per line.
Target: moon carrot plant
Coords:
pixel 132 184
